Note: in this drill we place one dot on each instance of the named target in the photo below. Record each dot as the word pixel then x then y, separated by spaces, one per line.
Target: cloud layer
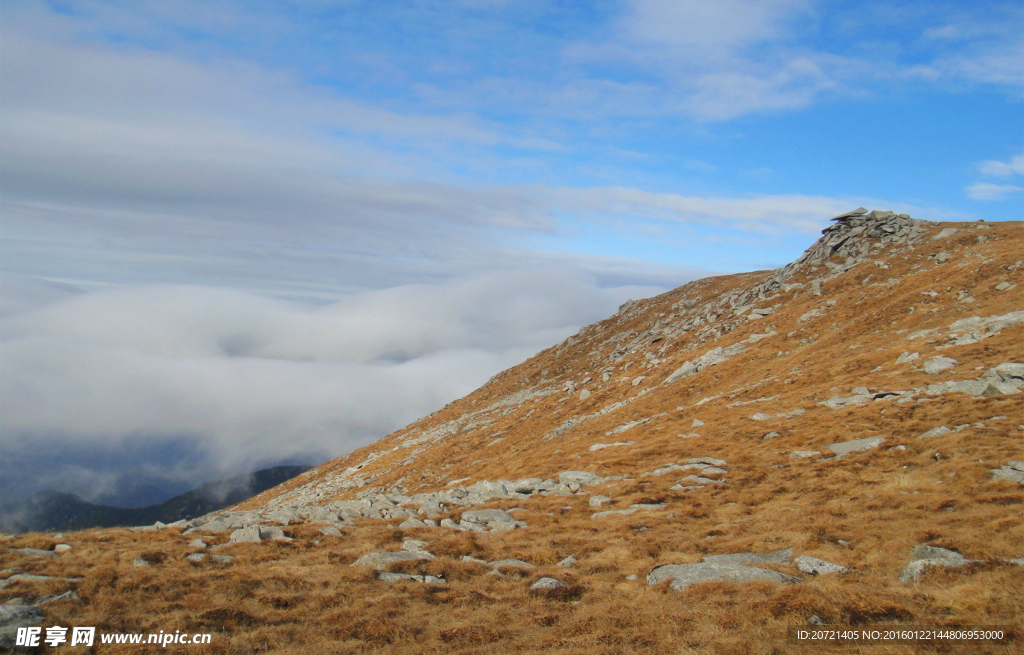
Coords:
pixel 243 380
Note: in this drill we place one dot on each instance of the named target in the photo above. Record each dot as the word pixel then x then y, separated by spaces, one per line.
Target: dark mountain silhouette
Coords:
pixel 53 510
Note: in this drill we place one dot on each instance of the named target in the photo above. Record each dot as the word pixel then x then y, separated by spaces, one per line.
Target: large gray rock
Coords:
pixel 935 432
pixel 925 557
pixel 816 566
pixel 685 575
pixel 13 617
pixel 514 563
pixel 249 534
pixel 382 560
pixel 735 559
pixel 273 532
pixel 1012 472
pixel 29 577
pixel 847 447
pixel 407 577
pixel 34 552
pixel 547 583
pixel 938 364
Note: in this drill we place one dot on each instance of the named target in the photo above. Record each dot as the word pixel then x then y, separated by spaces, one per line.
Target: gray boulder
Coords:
pixel 34 552
pixel 13 617
pixel 938 364
pixel 514 563
pixel 925 557
pixel 547 583
pixel 567 562
pixel 196 558
pixel 383 560
pixel 221 559
pixel 248 534
pixel 935 432
pixel 685 575
pixel 816 566
pixel 847 447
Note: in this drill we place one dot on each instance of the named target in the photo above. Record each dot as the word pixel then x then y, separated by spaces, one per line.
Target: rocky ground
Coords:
pixel 837 442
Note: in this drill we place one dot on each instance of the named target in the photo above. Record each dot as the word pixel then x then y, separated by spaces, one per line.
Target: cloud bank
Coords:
pixel 220 381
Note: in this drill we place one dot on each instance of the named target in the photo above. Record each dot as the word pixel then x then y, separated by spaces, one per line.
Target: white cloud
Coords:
pixel 986 191
pixel 252 380
pixel 1004 169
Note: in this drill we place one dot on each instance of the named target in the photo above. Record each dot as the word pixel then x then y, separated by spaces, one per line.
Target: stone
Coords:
pixel 696 423
pixel 601 446
pixel 514 563
pixel 599 515
pixel 802 454
pixel 935 432
pixel 567 562
pixel 140 561
pixel 938 364
pixel 946 232
pixel 907 357
pixel 686 575
pixel 598 501
pixel 196 558
pixel 13 617
pixel 547 583
pixel 710 461
pixel 450 524
pixel 816 566
pixel 775 557
pixel 33 552
pixel 637 380
pixel 415 545
pixel 197 543
pixel 860 211
pixel 61 549
pixel 584 394
pixel 770 435
pixel 857 445
pixel 582 477
pixel 248 534
pixel 1008 473
pixel 68 595
pixel 332 531
pixel 382 560
pixel 486 517
pixel 1004 286
pixel 221 559
pixel 687 369
pixel 414 523
pixel 923 551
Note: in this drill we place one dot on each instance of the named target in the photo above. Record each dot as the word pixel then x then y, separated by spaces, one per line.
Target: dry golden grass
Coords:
pixel 303 597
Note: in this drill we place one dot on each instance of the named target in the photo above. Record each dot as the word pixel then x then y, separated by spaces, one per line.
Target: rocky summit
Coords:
pixel 835 442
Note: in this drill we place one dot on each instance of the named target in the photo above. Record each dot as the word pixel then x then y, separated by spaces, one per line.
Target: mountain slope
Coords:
pixel 834 321
pixel 835 442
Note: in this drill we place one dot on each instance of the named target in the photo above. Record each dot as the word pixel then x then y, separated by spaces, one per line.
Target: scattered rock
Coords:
pixel 1013 472
pixel 567 562
pixel 33 552
pixel 935 432
pixel 801 454
pixel 140 561
pixel 221 559
pixel 816 566
pixel 598 501
pixel 846 447
pixel 68 595
pixel 13 617
pixel 332 531
pixel 547 583
pixel 399 577
pixel 907 357
pixel 938 364
pixel 60 549
pixel 197 543
pixel 513 563
pixel 599 446
pixel 924 557
pixel 730 567
pixel 382 560
pixel 196 558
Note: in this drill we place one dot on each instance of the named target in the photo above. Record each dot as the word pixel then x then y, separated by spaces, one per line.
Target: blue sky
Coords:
pixel 315 166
